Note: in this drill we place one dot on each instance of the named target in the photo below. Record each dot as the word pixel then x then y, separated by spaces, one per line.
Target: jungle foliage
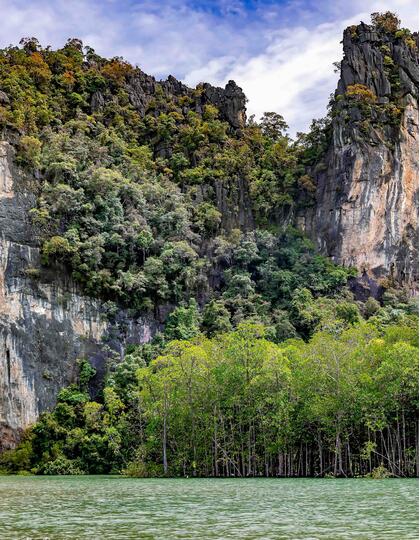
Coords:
pixel 142 206
pixel 343 404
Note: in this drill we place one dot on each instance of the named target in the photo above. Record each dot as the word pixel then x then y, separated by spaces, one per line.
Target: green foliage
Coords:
pixel 72 395
pixel 30 151
pixel 379 473
pixel 387 21
pixel 141 209
pixel 86 372
pixel 126 201
pixel 273 125
pixel 62 465
pixel 407 37
pixel 207 218
pixel 216 318
pixel 57 248
pixel 20 459
pixel 231 405
pixel 371 307
pixel 183 322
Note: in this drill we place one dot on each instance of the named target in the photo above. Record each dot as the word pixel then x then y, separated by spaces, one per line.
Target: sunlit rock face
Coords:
pixel 364 215
pixel 367 192
pixel 45 322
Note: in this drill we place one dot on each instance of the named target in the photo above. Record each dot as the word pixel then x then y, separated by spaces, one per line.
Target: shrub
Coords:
pixel 372 306
pixel 379 473
pixel 307 183
pixel 29 150
pixel 18 459
pixel 62 466
pixel 207 217
pixel 407 37
pixel 136 469
pixel 86 373
pixel 360 92
pixel 56 247
pixel 388 21
pixel 183 322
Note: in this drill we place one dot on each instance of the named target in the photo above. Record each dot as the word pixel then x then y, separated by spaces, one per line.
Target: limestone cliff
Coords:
pixel 364 214
pixel 143 89
pixel 45 322
pixel 366 207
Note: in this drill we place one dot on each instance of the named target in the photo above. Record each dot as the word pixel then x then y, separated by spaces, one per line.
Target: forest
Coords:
pixel 343 403
pixel 266 364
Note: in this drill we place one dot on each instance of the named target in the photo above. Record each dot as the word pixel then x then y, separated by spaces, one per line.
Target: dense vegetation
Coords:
pixel 142 206
pixel 267 364
pixel 154 204
pixel 344 403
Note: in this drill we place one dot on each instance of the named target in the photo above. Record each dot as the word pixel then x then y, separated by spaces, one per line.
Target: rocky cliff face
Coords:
pixel 367 189
pixel 365 215
pixel 45 322
pixel 143 89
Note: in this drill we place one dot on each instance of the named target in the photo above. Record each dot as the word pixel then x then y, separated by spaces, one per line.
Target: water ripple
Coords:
pixel 98 507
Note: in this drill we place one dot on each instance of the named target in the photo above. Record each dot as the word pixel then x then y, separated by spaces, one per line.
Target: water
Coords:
pixel 99 507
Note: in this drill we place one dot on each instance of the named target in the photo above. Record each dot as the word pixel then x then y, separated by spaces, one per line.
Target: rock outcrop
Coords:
pixel 46 323
pixel 143 89
pixel 366 207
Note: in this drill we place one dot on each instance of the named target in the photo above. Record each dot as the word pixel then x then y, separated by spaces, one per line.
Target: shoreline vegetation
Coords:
pixel 343 404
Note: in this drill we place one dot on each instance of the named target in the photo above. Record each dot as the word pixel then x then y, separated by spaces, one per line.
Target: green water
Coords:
pixel 98 507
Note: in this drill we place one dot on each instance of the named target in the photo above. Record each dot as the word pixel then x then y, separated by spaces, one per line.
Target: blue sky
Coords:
pixel 280 52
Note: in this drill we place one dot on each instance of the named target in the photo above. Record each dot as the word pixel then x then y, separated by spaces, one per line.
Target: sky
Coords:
pixel 279 51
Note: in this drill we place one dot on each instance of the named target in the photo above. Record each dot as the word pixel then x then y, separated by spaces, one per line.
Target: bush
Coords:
pixel 379 473
pixel 30 150
pixel 72 395
pixel 18 459
pixel 361 93
pixel 183 322
pixel 62 466
pixel 387 21
pixel 136 469
pixel 371 307
pixel 86 373
pixel 56 247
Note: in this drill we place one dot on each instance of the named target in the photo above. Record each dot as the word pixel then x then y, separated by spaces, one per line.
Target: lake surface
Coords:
pixel 100 507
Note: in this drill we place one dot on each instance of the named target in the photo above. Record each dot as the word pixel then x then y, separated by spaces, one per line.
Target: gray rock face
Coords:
pixel 45 322
pixel 364 62
pixel 230 100
pixel 143 89
pixel 367 195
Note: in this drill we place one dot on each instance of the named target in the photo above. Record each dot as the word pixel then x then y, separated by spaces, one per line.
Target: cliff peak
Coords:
pixel 367 193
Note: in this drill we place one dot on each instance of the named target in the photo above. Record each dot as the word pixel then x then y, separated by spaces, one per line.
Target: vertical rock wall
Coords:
pixel 367 193
pixel 365 215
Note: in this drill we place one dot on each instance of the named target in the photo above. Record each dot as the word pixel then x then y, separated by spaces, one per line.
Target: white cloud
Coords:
pixel 294 75
pixel 296 61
